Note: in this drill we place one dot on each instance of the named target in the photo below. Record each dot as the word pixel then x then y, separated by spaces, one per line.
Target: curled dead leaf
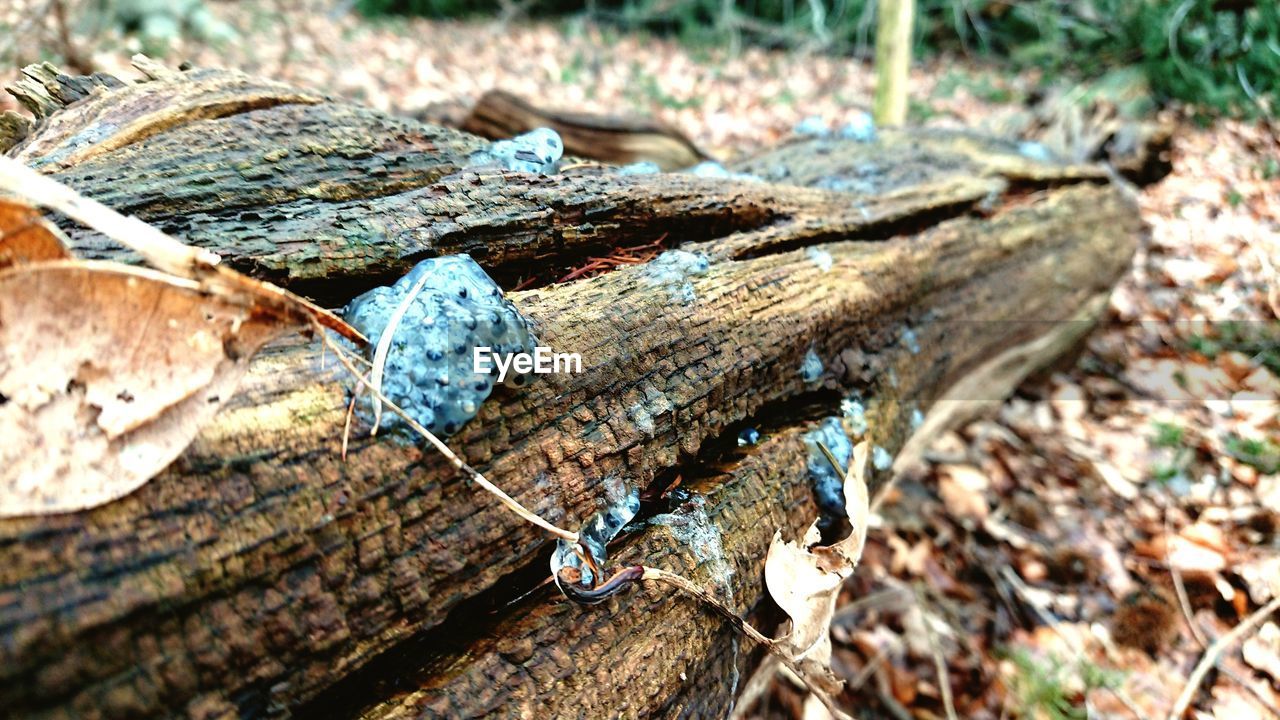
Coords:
pixel 805 579
pixel 106 373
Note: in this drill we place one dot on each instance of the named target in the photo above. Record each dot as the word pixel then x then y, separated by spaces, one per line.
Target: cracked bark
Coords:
pixel 261 572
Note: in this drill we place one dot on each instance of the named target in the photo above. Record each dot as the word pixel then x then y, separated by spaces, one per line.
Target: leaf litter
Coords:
pixel 1061 517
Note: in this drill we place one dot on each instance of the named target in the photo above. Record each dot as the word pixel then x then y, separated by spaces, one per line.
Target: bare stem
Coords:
pixel 1219 646
pixel 384 345
pixel 157 248
pixel 512 504
pixel 688 586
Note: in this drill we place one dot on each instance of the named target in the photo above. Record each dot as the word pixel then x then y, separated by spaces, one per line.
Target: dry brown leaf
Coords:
pixel 963 489
pixel 26 237
pixel 805 579
pixel 806 593
pixel 166 253
pixel 106 373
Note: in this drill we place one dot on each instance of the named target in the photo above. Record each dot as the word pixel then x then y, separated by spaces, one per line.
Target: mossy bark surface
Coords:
pixel 265 574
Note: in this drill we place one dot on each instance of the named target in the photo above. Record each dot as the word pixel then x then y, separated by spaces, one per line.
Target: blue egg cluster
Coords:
pixel 643 167
pixel 537 151
pixel 595 535
pixel 828 484
pixel 429 369
pixel 811 367
pixel 861 128
pixel 672 270
pixel 713 169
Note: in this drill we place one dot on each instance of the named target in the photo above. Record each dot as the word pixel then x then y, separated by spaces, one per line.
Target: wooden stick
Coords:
pixel 1219 646
pixel 684 584
pixel 893 59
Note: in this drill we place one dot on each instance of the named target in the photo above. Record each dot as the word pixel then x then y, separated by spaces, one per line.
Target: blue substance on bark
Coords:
pixel 430 369
pixel 861 127
pixel 820 257
pixel 621 505
pixel 828 484
pixel 644 167
pixel 910 339
pixel 812 126
pixel 811 367
pixel 713 169
pixel 880 458
pixel 672 270
pixel 537 151
pixel 855 413
pixel 1035 151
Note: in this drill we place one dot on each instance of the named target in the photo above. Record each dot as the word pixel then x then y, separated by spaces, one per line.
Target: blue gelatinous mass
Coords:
pixel 861 127
pixel 812 126
pixel 644 167
pixel 713 169
pixel 430 369
pixel 828 484
pixel 811 367
pixel 672 270
pixel 537 151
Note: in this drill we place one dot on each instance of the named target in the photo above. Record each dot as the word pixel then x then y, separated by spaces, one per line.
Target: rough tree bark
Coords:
pixel 262 574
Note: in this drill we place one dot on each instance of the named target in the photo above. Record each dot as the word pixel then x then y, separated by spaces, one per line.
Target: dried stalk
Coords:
pixel 1219 646
pixel 512 504
pixel 685 585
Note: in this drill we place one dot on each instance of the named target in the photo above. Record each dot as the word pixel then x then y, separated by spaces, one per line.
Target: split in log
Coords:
pixel 263 574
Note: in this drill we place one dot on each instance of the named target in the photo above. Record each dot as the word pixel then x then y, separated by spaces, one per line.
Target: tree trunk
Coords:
pixel 263 574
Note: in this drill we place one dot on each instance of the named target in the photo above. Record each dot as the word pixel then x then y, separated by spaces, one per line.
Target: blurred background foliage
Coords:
pixel 1220 56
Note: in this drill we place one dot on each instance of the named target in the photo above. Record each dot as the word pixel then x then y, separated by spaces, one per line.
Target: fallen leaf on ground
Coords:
pixel 1262 651
pixel 963 489
pixel 106 373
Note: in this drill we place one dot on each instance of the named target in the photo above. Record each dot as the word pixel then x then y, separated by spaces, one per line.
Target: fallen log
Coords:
pixel 263 574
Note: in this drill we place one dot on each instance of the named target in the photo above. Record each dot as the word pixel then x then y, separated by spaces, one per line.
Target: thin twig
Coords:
pixel 70 52
pixel 875 600
pixel 384 345
pixel 511 503
pixel 944 678
pixel 884 692
pixel 1180 589
pixel 157 248
pixel 346 421
pixel 869 669
pixel 1219 646
pixel 684 584
pixel 759 683
pixel 1020 588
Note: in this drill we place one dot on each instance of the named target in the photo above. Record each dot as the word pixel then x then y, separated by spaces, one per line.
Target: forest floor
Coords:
pixel 1080 550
